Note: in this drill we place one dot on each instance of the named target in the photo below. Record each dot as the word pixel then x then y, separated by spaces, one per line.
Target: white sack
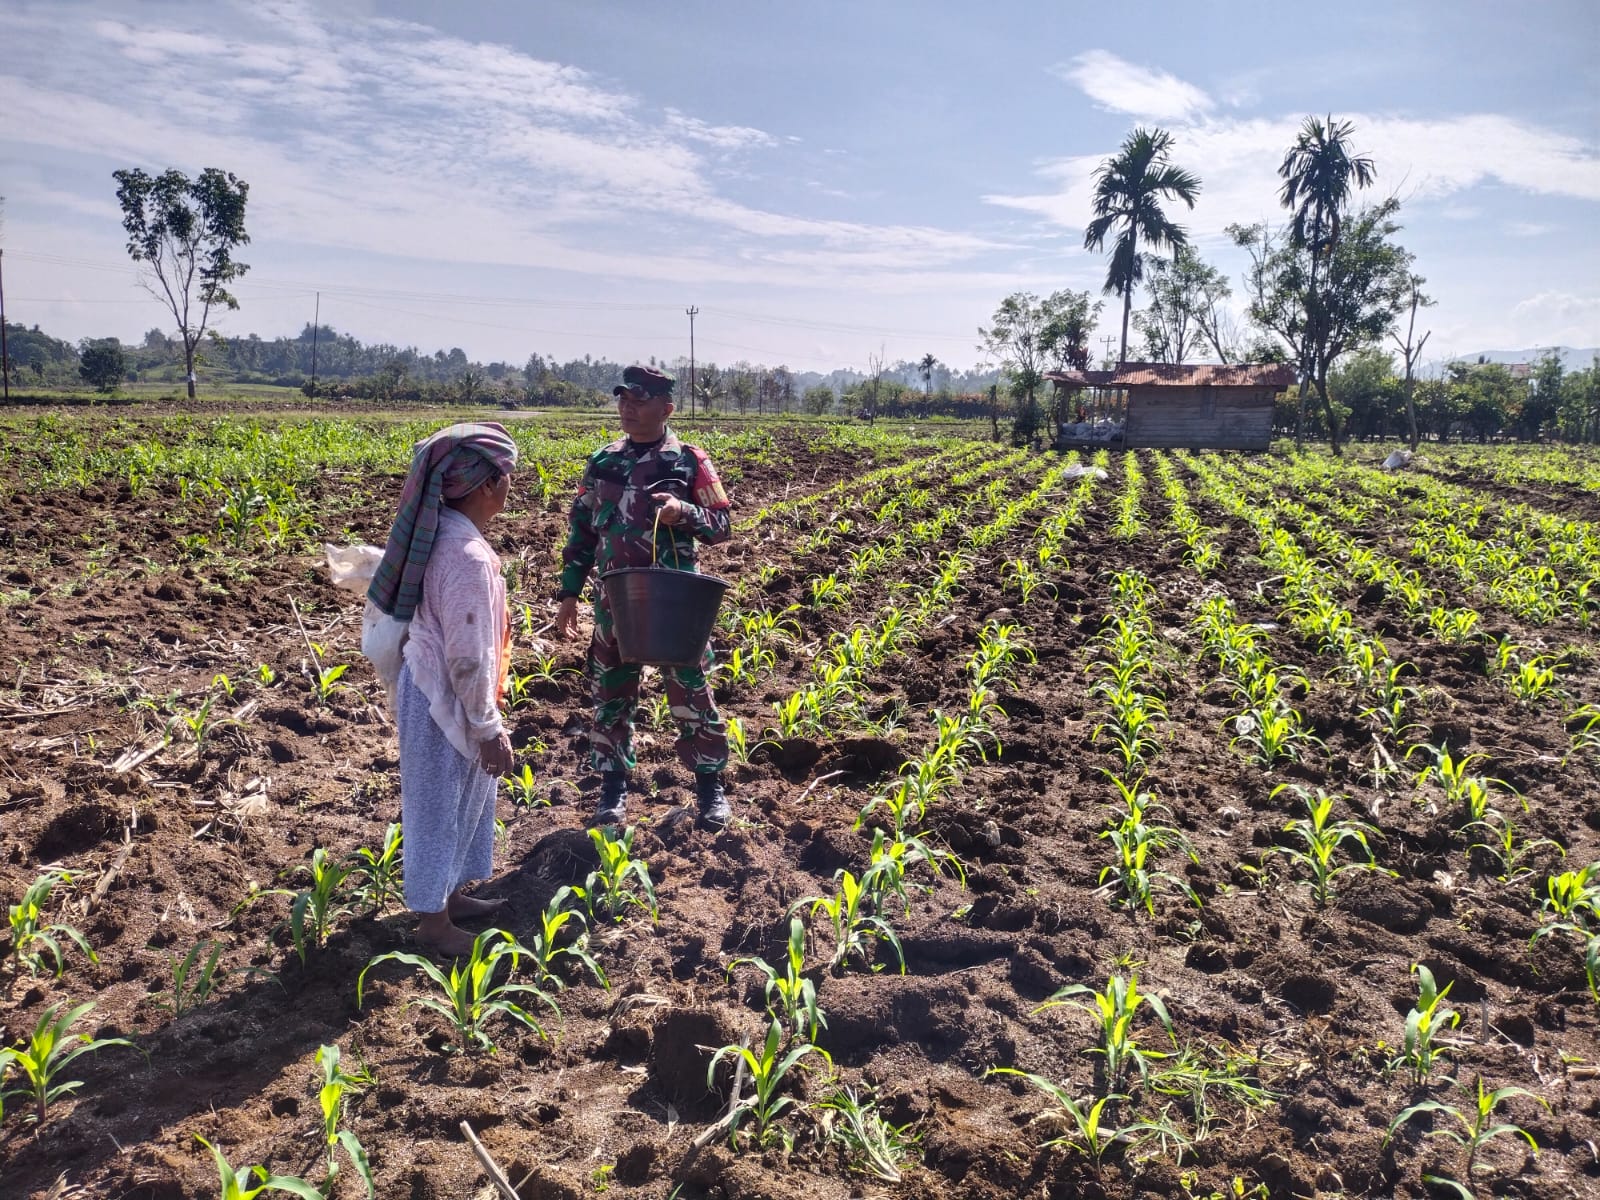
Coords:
pixel 383 638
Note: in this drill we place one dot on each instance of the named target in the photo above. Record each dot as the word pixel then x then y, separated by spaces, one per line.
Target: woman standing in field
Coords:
pixel 440 574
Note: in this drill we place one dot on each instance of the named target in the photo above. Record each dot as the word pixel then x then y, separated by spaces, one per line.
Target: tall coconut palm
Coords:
pixel 1317 174
pixel 1128 188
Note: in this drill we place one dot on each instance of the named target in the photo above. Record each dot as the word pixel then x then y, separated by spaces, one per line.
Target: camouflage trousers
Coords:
pixel 702 742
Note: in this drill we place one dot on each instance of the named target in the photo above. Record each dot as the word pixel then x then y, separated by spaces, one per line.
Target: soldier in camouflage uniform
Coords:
pixel 624 486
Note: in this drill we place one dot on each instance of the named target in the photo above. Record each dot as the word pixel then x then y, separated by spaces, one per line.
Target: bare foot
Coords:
pixel 438 935
pixel 465 908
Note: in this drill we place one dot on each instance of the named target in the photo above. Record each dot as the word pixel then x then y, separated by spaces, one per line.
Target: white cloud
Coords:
pixel 723 137
pixel 1119 85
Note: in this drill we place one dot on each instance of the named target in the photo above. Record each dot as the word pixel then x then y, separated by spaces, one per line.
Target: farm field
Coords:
pixel 1179 789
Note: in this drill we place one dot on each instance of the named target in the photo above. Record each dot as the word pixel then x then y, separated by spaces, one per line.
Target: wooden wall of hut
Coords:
pixel 1200 418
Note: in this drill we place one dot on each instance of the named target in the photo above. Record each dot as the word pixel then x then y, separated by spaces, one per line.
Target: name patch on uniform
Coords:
pixel 708 492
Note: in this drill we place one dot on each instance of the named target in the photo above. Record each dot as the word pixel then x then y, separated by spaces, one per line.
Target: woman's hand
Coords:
pixel 494 755
pixel 567 618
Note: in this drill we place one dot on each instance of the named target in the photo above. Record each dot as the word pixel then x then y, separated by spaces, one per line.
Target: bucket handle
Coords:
pixel 655 545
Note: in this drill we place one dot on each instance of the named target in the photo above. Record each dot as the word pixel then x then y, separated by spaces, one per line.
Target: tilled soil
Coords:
pixel 109 614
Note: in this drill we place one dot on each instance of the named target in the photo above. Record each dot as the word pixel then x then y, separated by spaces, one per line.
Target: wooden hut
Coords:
pixel 1201 407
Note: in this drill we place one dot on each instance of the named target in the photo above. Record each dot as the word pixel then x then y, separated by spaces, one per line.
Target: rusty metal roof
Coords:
pixel 1139 374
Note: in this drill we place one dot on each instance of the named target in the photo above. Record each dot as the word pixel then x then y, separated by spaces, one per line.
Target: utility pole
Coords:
pixel 5 359
pixel 315 322
pixel 1106 342
pixel 691 311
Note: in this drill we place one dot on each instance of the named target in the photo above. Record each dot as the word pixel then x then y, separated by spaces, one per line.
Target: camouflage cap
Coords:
pixel 651 380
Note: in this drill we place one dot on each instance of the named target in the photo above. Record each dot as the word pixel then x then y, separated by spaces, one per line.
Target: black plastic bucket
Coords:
pixel 662 617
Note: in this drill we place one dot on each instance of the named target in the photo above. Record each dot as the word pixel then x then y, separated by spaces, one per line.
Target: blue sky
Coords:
pixel 825 181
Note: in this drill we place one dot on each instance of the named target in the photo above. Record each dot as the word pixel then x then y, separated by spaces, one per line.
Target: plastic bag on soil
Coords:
pixel 1078 471
pixel 383 638
pixel 1400 458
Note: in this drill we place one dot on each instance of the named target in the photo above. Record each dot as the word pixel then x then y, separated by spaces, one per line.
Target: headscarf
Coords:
pixel 445 466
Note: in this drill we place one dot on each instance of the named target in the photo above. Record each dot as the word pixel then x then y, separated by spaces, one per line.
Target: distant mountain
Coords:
pixel 1572 358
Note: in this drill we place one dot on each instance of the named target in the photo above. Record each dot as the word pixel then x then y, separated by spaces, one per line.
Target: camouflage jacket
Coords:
pixel 610 523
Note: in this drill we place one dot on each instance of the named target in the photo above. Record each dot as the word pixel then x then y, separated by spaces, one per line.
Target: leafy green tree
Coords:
pixel 926 368
pixel 818 400
pixel 1366 393
pixel 1579 417
pixel 1030 336
pixel 1186 296
pixel 101 363
pixel 186 231
pixel 1317 175
pixel 1486 395
pixel 1543 401
pixel 1365 283
pixel 1437 407
pixel 1128 189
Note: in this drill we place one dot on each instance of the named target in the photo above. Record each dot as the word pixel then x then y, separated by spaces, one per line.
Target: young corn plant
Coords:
pixel 1476 1126
pixel 193 978
pixel 376 875
pixel 1471 793
pixel 871 1143
pixel 331 1099
pixel 473 994
pixel 1574 895
pixel 49 1051
pixel 1322 839
pixel 1502 848
pixel 621 880
pixel 769 1071
pixel 548 947
pixel 1114 1011
pixel 235 1181
pixel 1090 1130
pixel 1426 1020
pixel 790 997
pixel 855 926
pixel 1271 732
pixel 523 788
pixel 34 944
pixel 891 860
pixel 316 908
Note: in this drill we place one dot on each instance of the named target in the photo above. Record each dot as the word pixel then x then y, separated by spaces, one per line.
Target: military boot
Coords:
pixel 714 808
pixel 613 806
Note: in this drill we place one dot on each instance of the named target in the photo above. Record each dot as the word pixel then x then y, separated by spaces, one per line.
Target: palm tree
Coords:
pixel 1317 173
pixel 926 366
pixel 1127 190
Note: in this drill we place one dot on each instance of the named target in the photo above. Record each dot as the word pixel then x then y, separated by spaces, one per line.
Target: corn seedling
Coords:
pixel 1477 1127
pixel 523 788
pixel 768 1070
pixel 1088 1128
pixel 790 997
pixel 236 1182
pixel 621 880
pixel 49 1050
pixel 331 1098
pixel 1322 840
pixel 1114 1011
pixel 1471 792
pixel 315 909
pixel 1424 1023
pixel 375 876
pixel 32 941
pixel 193 978
pixel 547 947
pixel 472 994
pixel 1271 732
pixel 871 1143
pixel 1573 895
pixel 1504 849
pixel 892 857
pixel 854 925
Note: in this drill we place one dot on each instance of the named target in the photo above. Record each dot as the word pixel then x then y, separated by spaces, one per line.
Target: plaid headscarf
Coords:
pixel 446 466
